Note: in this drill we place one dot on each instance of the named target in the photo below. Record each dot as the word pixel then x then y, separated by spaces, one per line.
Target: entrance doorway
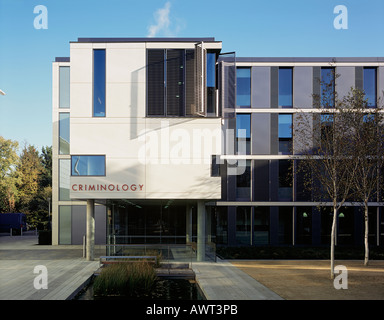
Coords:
pixel 136 222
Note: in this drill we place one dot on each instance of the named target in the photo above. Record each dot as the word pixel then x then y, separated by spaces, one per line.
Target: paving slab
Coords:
pixel 223 281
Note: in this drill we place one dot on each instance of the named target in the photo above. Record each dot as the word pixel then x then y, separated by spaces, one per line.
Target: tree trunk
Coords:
pixel 366 255
pixel 333 237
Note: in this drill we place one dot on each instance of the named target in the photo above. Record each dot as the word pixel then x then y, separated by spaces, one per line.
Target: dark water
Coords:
pixel 165 289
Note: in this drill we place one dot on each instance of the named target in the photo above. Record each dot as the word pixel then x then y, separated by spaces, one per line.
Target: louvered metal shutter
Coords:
pixel 175 82
pixel 155 83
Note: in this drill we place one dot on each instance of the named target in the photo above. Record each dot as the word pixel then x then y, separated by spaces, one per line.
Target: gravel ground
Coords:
pixel 311 279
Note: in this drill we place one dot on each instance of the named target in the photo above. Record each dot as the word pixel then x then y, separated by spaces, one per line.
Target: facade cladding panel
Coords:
pixel 265 204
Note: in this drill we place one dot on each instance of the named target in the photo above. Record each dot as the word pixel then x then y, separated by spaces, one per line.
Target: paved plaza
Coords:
pixel 230 280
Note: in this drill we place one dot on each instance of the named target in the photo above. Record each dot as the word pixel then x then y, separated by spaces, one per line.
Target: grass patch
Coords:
pixel 130 279
pixel 341 253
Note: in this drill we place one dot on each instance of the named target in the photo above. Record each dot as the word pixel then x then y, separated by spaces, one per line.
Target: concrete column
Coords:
pixel 201 216
pixel 90 240
pixel 188 223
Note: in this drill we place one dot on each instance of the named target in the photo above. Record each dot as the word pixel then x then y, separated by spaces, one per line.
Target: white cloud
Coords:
pixel 162 22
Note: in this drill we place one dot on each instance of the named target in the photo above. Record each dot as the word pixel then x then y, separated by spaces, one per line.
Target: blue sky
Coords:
pixel 270 28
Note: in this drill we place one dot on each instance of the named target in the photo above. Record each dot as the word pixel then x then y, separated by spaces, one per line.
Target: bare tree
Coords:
pixel 323 143
pixel 366 125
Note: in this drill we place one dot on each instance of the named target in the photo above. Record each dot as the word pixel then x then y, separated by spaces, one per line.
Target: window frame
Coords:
pixel 89 155
pixel 250 87
pixel 94 115
pixel 280 88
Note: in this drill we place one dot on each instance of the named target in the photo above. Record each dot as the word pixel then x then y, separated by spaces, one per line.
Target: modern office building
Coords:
pixel 171 140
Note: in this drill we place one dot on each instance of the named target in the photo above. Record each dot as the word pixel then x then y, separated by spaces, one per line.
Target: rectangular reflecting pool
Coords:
pixel 164 289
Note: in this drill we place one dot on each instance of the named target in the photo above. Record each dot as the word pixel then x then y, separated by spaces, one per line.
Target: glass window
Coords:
pixel 303 225
pixel 243 225
pixel 88 165
pixel 285 87
pixel 261 226
pixel 243 182
pixel 211 82
pixel 370 86
pixel 65 224
pixel 285 133
pixel 327 87
pixel 285 180
pixel 215 166
pixel 99 73
pixel 64 132
pixel 243 87
pixel 285 125
pixel 221 225
pixel 64 84
pixel 285 225
pixel 243 133
pixel 64 175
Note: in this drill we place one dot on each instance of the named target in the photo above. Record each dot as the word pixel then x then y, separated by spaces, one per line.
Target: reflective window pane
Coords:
pixel 243 181
pixel 88 165
pixel 64 87
pixel 65 224
pixel 243 133
pixel 64 133
pixel 99 82
pixel 285 87
pixel 64 176
pixel 327 87
pixel 211 82
pixel 285 126
pixel 243 87
pixel 261 226
pixel 243 226
pixel 370 86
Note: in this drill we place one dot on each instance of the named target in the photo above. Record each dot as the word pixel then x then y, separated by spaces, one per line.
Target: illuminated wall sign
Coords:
pixel 107 187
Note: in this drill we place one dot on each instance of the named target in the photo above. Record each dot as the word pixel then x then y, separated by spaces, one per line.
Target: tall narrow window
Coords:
pixel 211 82
pixel 243 225
pixel 64 82
pixel 285 133
pixel 261 226
pixel 243 133
pixel 243 87
pixel 64 176
pixel 327 90
pixel 243 182
pixel 285 87
pixel 64 133
pixel 370 87
pixel 88 165
pixel 285 180
pixel 99 73
pixel 65 224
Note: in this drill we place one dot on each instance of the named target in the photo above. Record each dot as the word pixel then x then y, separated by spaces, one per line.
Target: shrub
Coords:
pixel 125 278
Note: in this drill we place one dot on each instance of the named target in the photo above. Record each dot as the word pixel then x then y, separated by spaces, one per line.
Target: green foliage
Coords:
pixel 26 181
pixel 8 175
pixel 125 278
